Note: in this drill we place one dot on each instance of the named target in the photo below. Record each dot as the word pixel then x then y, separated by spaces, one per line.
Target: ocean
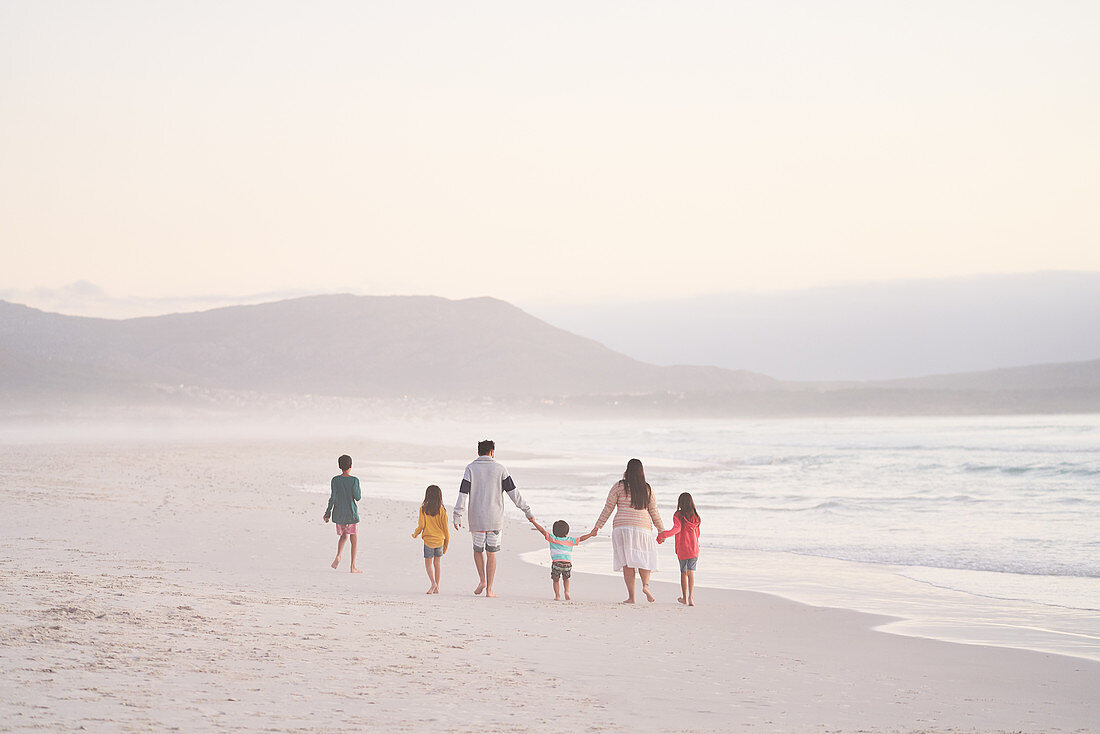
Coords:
pixel 981 530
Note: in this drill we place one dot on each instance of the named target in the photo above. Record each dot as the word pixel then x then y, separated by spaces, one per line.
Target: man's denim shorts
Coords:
pixel 688 564
pixel 433 552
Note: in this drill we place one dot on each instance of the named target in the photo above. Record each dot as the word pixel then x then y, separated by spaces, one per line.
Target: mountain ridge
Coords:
pixel 434 348
pixel 341 344
pixel 897 329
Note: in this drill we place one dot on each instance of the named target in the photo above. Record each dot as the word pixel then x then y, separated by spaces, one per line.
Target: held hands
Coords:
pixel 540 528
pixel 326 518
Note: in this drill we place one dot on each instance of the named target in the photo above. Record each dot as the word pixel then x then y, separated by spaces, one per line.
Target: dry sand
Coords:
pixel 154 587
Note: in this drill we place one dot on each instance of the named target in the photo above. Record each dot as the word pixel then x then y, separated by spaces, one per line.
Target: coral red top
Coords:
pixel 687 536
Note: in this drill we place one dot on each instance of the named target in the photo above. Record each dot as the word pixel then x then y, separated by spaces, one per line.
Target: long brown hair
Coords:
pixel 634 479
pixel 685 506
pixel 433 500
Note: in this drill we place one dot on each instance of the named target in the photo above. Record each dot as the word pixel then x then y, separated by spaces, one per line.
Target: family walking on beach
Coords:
pixel 480 506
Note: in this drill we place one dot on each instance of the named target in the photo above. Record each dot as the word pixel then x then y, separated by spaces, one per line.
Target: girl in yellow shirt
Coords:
pixel 433 527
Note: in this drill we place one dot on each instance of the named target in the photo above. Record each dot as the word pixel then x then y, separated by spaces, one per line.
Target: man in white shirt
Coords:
pixel 484 484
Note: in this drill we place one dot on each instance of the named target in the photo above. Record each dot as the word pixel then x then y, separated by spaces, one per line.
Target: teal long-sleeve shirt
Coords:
pixel 341 501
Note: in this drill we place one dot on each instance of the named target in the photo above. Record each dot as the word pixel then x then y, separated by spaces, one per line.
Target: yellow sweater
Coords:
pixel 434 528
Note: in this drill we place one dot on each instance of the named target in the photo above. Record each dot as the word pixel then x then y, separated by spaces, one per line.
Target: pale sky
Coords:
pixel 557 152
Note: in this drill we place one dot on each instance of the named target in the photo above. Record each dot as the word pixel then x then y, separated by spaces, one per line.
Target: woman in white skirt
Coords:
pixel 633 541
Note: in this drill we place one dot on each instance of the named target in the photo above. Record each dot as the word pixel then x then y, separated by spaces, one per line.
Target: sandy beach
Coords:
pixel 148 586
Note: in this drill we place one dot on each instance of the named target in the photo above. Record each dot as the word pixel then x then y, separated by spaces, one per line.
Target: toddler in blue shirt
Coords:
pixel 561 554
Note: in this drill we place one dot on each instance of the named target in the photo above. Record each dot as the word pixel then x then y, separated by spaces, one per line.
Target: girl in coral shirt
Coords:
pixel 685 526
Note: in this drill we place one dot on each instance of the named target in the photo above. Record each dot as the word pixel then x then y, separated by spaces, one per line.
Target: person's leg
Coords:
pixel 492 547
pixel 691 588
pixel 431 575
pixel 478 537
pixel 490 573
pixel 354 547
pixel 557 590
pixel 479 561
pixel 628 577
pixel 438 563
pixel 684 587
pixel 644 573
pixel 339 549
pixel 565 584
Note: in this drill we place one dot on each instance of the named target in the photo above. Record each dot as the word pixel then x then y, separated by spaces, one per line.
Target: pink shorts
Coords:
pixel 345 529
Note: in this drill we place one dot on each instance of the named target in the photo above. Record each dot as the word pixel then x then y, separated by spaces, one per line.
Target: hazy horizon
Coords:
pixel 85 298
pixel 576 153
pixel 809 191
pixel 861 331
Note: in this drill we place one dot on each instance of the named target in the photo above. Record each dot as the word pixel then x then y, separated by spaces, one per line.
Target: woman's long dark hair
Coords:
pixel 433 500
pixel 634 479
pixel 686 507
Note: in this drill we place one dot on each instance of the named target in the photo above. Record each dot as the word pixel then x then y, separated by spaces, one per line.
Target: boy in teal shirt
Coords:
pixel 341 508
pixel 561 554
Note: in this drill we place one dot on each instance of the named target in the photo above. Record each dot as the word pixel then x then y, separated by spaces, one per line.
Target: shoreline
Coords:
pixel 953 628
pixel 910 595
pixel 199 596
pixel 777 578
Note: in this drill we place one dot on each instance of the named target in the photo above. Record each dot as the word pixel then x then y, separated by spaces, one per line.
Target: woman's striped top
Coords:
pixel 618 499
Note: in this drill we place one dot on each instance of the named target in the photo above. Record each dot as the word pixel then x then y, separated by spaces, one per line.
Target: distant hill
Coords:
pixel 1065 376
pixel 865 331
pixel 362 346
pixel 426 348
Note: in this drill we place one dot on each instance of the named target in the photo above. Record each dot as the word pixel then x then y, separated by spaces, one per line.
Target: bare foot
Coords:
pixel 431 590
pixel 648 596
pixel 490 594
pixel 336 562
pixel 355 570
pixel 681 600
pixel 435 590
pixel 568 598
pixel 691 602
pixel 557 598
pixel 628 601
pixel 480 588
